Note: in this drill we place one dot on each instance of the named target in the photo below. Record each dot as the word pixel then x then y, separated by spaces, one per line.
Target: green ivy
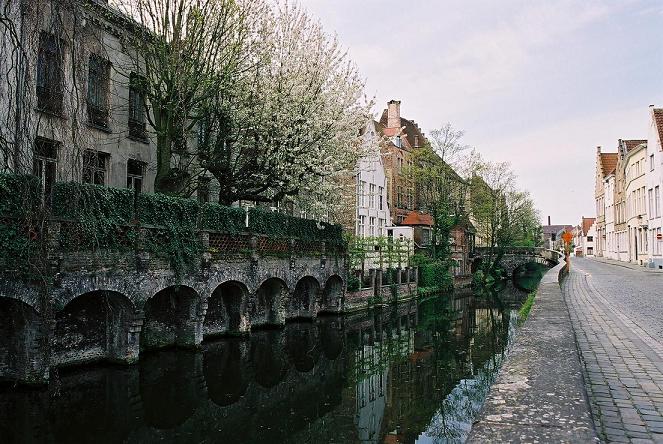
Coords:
pixel 99 218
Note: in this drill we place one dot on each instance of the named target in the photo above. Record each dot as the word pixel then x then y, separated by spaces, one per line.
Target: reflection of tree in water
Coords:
pixel 453 421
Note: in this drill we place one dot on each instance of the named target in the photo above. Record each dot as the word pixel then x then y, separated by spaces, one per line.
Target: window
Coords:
pixel 590 238
pixel 361 230
pixel 590 251
pixel 49 74
pixel 203 189
pixel 416 141
pixel 380 202
pixel 399 196
pixel 137 106
pixel 371 195
pixel 362 193
pixel 135 172
pixel 371 226
pixel 399 162
pixel 45 163
pixel 650 192
pixel 381 223
pixel 94 167
pixel 98 86
pixel 657 198
pixel 651 162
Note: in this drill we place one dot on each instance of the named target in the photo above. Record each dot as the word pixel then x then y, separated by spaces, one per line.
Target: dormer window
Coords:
pixel 397 141
pixel 416 141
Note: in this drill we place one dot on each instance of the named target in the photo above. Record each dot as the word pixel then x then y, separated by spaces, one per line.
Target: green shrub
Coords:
pixel 435 275
pixel 354 284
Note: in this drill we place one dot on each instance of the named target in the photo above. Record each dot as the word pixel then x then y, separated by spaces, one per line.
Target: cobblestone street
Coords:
pixel 617 315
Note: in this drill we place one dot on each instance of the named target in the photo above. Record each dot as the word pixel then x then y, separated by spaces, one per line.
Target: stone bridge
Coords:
pixel 113 306
pixel 515 257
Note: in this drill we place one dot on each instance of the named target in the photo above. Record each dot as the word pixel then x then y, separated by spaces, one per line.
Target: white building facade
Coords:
pixel 636 206
pixel 654 181
pixel 610 235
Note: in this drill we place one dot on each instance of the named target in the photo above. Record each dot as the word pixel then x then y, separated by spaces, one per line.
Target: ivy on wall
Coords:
pixel 94 218
pixel 19 199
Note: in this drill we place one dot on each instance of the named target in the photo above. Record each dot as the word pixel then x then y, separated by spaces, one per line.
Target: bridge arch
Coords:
pixel 332 295
pixel 21 331
pixel 226 309
pixel 171 318
pixel 267 308
pixel 94 326
pixel 303 299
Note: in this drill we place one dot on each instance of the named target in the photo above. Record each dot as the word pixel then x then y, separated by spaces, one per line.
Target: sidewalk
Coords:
pixel 605 260
pixel 539 395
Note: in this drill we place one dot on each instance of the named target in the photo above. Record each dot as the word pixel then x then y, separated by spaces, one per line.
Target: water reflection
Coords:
pixel 416 372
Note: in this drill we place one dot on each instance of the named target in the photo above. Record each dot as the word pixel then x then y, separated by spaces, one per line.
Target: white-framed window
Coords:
pixel 361 229
pixel 361 193
pixel 371 195
pixel 657 199
pixel 371 226
pixel 380 198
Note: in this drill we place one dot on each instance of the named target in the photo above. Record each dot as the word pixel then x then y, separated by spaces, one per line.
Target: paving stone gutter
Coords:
pixel 539 394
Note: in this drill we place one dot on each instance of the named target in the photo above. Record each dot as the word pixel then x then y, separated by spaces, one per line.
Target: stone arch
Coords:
pixel 303 299
pixel 267 308
pixel 94 326
pixel 302 345
pixel 22 331
pixel 332 296
pixel 268 360
pixel 226 309
pixel 172 318
pixel 224 367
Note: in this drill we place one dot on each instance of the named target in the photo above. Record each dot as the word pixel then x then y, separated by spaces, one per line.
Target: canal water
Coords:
pixel 413 373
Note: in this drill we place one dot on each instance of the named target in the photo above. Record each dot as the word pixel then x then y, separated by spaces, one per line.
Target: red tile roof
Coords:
pixel 587 223
pixel 609 163
pixel 417 218
pixel 630 144
pixel 658 118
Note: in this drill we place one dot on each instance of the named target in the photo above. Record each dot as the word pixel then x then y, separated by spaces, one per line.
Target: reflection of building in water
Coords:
pixel 378 350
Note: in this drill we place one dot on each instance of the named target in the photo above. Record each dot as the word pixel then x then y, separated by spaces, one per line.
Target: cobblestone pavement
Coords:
pixel 617 315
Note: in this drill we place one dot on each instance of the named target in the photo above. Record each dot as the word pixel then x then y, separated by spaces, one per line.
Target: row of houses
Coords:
pixel 628 198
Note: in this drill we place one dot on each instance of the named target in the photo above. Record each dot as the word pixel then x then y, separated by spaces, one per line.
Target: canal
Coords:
pixel 416 372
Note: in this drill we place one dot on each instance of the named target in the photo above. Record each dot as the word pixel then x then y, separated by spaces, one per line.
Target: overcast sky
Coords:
pixel 539 83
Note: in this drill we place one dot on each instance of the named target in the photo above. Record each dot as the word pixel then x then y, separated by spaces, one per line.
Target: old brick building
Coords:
pixel 401 137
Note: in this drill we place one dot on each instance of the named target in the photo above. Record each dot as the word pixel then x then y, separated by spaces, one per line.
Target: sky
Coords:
pixel 537 83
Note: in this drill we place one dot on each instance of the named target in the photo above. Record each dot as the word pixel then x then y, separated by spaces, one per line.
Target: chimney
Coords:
pixel 548 220
pixel 394 114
